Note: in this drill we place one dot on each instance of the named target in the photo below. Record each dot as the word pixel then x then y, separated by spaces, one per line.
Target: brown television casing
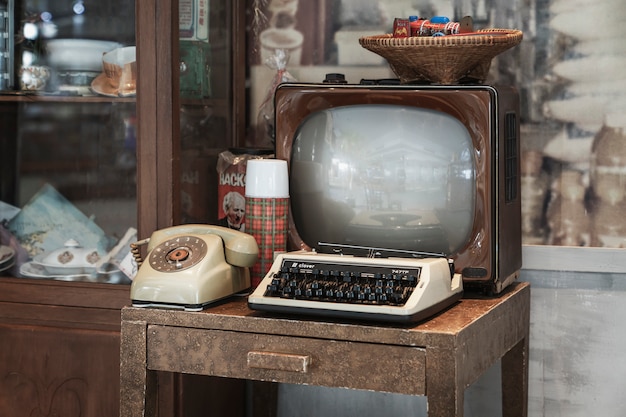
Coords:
pixel 491 258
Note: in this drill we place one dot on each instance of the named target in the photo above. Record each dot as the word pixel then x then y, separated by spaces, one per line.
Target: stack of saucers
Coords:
pixel 7 257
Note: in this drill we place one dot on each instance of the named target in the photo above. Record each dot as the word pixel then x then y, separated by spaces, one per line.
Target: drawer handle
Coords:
pixel 279 361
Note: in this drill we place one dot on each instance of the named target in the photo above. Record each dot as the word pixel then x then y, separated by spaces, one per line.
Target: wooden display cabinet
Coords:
pixel 59 340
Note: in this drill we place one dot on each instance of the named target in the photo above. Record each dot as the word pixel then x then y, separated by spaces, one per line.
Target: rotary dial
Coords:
pixel 177 254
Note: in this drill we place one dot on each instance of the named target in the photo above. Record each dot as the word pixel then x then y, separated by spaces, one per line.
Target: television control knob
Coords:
pixel 335 78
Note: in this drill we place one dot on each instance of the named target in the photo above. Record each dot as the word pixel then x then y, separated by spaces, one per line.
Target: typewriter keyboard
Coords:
pixel 344 284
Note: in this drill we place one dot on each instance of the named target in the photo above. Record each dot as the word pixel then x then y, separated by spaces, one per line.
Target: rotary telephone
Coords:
pixel 193 265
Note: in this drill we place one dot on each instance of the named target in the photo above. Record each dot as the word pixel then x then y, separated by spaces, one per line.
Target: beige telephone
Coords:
pixel 191 266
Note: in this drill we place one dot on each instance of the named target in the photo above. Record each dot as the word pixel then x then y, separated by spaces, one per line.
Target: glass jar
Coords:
pixel 608 182
pixel 608 160
pixel 567 215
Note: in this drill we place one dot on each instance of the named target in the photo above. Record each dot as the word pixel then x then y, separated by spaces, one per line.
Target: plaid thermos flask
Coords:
pixel 267 209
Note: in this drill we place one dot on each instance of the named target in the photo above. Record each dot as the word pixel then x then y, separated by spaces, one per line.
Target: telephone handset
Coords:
pixel 192 265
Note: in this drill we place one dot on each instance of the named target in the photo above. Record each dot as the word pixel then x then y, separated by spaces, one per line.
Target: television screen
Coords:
pixel 390 177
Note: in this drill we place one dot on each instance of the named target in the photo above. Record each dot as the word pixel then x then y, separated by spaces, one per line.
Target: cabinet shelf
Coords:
pixel 218 103
pixel 57 98
pixel 48 292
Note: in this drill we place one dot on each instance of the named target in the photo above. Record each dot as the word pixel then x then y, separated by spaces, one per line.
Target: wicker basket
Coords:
pixel 451 59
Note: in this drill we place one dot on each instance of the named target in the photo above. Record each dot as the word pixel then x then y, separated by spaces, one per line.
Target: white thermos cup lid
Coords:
pixel 267 178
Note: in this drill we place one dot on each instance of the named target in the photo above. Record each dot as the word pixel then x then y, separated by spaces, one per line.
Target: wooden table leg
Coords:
pixel 444 393
pixel 515 381
pixel 137 384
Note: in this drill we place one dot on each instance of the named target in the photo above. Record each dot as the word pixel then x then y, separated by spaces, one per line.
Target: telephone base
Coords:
pixel 191 271
pixel 185 307
pixel 189 307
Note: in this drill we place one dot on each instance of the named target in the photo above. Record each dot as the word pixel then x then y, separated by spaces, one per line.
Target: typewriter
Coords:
pixel 353 287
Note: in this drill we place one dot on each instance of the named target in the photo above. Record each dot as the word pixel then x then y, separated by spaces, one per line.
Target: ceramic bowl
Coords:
pixel 78 54
pixel 70 259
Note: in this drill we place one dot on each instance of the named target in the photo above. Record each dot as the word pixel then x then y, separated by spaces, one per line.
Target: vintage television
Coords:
pixel 405 170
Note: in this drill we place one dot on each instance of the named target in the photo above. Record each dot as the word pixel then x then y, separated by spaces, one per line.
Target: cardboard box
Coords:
pixel 195 69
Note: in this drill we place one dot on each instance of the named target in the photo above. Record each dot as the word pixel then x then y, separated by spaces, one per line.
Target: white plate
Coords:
pixel 6 254
pixel 569 22
pixel 561 6
pixel 564 148
pixel 615 88
pixel 583 110
pixel 34 270
pixel 6 265
pixel 100 85
pixel 608 67
pixel 598 47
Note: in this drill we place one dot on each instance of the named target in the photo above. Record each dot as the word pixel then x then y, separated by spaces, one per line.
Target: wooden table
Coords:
pixel 438 358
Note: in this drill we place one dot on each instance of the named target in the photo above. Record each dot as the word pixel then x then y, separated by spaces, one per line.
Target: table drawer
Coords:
pixel 297 360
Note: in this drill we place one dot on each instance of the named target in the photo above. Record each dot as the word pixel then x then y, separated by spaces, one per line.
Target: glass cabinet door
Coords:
pixel 212 72
pixel 67 138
